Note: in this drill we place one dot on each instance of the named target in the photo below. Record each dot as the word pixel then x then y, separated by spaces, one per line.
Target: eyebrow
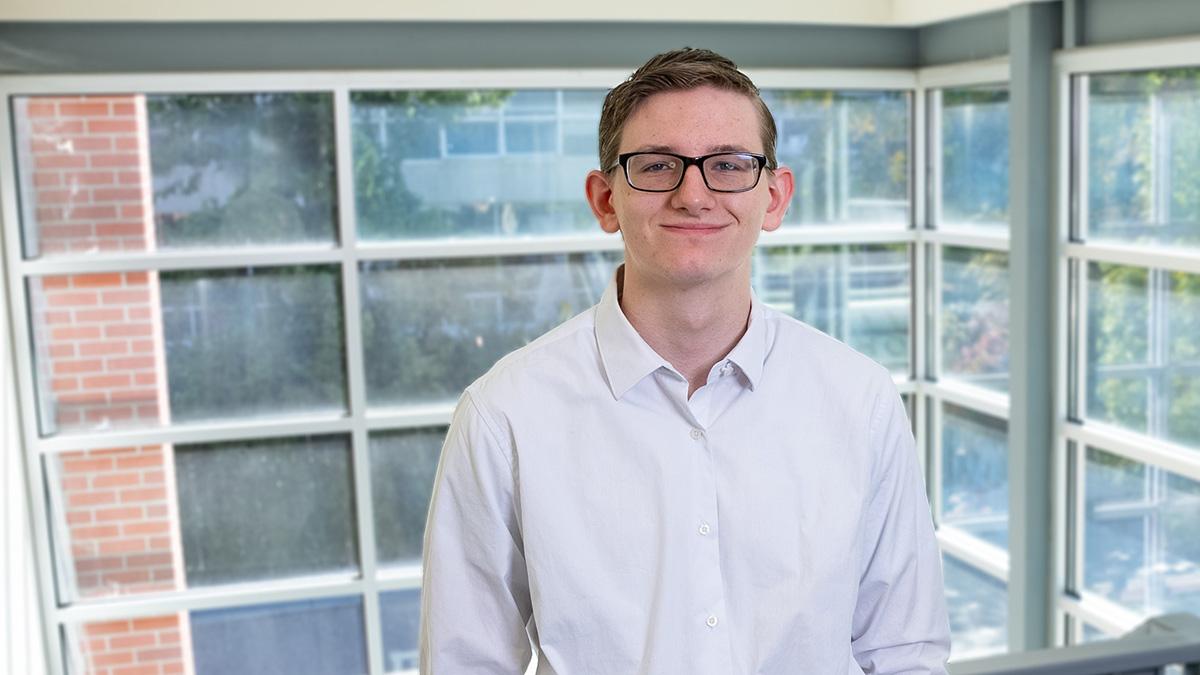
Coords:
pixel 711 149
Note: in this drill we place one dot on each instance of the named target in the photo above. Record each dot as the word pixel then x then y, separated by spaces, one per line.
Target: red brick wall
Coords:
pixel 86 188
pixel 149 646
pixel 88 172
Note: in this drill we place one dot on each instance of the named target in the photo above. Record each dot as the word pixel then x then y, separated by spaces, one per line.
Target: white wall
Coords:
pixel 853 12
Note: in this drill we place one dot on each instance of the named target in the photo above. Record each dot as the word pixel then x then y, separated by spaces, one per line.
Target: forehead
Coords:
pixel 693 121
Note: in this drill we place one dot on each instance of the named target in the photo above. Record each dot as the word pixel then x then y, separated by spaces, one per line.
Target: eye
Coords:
pixel 657 166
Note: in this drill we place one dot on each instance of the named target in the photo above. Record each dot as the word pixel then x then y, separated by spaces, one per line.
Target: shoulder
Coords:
pixel 801 351
pixel 536 370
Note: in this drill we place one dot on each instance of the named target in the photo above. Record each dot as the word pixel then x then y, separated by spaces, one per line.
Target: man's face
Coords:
pixel 690 236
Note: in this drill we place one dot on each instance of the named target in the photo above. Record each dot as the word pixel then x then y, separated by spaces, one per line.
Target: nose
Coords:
pixel 692 195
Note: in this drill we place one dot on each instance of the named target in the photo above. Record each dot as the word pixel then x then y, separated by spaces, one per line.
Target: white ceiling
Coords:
pixel 852 12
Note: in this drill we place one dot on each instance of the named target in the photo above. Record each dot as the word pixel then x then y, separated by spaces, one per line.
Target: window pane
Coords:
pixel 858 294
pixel 147 348
pixel 975 474
pixel 266 509
pixel 403 464
pixel 243 343
pixel 160 644
pixel 975 316
pixel 1143 152
pixel 115 522
pixel 132 172
pixel 401 618
pixel 431 327
pixel 409 184
pixel 978 606
pixel 849 151
pixel 975 156
pixel 1140 535
pixel 1143 360
pixel 317 637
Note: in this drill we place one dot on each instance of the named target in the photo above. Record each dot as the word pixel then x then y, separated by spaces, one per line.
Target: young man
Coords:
pixel 682 480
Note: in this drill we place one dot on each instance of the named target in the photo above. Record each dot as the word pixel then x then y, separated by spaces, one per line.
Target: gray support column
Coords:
pixel 1034 30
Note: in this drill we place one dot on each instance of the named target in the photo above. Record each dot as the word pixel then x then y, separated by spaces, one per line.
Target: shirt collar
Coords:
pixel 627 359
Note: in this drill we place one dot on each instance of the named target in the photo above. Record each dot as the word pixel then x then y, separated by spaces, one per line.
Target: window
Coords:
pixel 249 315
pixel 1132 436
pixel 966 260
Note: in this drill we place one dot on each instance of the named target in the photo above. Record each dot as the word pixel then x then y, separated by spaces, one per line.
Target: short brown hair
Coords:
pixel 677 70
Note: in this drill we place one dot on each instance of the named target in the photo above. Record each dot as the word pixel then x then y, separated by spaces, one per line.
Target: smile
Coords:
pixel 699 228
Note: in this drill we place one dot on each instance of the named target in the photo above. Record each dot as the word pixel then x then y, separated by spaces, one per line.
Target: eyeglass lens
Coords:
pixel 728 172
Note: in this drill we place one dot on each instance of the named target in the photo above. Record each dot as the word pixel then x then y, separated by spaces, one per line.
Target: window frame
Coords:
pixel 359 422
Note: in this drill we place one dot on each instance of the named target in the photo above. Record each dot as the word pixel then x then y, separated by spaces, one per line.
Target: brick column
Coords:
pixel 86 188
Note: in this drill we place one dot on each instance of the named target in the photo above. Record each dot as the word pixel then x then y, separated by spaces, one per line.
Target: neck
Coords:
pixel 692 327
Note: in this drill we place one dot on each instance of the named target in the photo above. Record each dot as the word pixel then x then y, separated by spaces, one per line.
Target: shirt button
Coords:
pixel 704 529
pixel 726 369
pixel 712 621
pixel 697 434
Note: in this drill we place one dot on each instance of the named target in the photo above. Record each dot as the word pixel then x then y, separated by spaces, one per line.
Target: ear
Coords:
pixel 780 184
pixel 600 195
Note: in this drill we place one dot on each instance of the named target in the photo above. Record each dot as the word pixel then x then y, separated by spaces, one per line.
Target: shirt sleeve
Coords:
pixel 900 622
pixel 475 593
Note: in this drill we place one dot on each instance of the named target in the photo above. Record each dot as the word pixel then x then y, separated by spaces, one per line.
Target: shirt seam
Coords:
pixel 492 431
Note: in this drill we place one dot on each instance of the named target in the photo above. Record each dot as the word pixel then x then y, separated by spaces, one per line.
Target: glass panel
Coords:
pixel 975 316
pixel 858 294
pixel 266 509
pixel 155 644
pixel 1141 547
pixel 144 348
pixel 317 637
pixel 133 172
pixel 310 637
pixel 975 156
pixel 975 474
pixel 403 464
pixel 431 164
pixel 401 617
pixel 849 151
pixel 1143 151
pixel 431 327
pixel 115 521
pixel 1093 634
pixel 253 342
pixel 978 606
pixel 1143 359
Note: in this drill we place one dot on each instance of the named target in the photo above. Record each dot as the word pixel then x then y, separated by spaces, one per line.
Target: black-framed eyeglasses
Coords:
pixel 663 171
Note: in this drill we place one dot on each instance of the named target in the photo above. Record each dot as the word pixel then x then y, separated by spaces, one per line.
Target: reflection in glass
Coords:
pixel 975 474
pixel 1140 543
pixel 1142 354
pixel 431 327
pixel 265 509
pixel 253 342
pixel 975 316
pixel 1143 152
pixel 1093 634
pixel 974 170
pixel 114 521
pixel 98 364
pixel 400 612
pixel 978 606
pixel 311 637
pixel 238 169
pixel 150 644
pixel 858 294
pixel 849 151
pixel 467 163
pixel 403 464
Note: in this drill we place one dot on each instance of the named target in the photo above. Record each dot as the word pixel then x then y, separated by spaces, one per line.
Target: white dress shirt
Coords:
pixel 775 523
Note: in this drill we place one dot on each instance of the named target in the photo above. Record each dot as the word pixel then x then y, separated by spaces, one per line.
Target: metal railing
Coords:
pixel 1165 644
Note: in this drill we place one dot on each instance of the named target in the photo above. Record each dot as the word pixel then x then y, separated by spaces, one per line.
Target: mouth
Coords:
pixel 694 228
